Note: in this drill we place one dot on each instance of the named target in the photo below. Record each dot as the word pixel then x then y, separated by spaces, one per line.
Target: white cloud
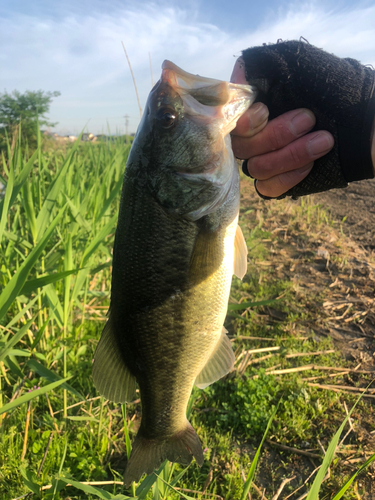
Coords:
pixel 81 55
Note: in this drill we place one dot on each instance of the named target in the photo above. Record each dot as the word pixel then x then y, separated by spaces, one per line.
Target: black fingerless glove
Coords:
pixel 340 92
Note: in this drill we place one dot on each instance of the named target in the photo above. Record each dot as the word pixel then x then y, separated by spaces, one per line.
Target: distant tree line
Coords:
pixel 19 113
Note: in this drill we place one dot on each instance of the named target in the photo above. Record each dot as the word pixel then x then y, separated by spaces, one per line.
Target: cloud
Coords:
pixel 81 55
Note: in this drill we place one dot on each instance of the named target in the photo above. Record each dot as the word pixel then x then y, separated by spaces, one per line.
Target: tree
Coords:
pixel 25 109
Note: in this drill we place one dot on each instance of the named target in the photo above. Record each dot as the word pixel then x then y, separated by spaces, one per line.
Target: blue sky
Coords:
pixel 75 46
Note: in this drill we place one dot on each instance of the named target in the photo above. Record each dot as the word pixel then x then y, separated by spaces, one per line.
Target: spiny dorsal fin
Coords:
pixel 111 376
pixel 240 254
pixel 219 364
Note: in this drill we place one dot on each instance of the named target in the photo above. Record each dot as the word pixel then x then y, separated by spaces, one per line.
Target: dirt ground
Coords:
pixel 337 259
pixel 357 204
pixel 334 264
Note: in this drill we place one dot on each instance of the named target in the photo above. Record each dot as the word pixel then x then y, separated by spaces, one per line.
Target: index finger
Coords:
pixel 278 133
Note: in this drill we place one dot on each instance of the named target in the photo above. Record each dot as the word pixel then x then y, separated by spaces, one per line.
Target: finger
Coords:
pixel 238 74
pixel 252 121
pixel 280 184
pixel 278 133
pixel 295 155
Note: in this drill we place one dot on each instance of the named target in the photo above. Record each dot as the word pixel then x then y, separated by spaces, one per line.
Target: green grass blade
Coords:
pixel 32 395
pixel 12 363
pixel 92 490
pixel 19 352
pixel 18 316
pixel 28 204
pixel 348 483
pixel 6 202
pixel 126 431
pixel 245 305
pixel 17 239
pixel 38 336
pixel 44 372
pixel 100 267
pixel 45 212
pixel 68 264
pixel 83 419
pixel 114 193
pixel 15 285
pixel 80 281
pixel 29 481
pixel 98 239
pixel 174 489
pixel 32 285
pixel 148 482
pixel 315 488
pixel 54 304
pixel 254 463
pixel 20 179
pixel 78 216
pixel 16 338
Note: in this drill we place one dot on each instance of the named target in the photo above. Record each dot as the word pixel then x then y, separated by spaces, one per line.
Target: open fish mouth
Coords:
pixel 208 98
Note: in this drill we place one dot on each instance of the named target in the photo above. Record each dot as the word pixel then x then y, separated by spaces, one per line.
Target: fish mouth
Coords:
pixel 207 99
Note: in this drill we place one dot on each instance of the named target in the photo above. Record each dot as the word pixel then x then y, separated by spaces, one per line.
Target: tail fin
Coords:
pixel 148 454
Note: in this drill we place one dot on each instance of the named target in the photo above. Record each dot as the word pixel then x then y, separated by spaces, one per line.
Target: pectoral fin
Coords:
pixel 112 377
pixel 219 364
pixel 207 255
pixel 240 254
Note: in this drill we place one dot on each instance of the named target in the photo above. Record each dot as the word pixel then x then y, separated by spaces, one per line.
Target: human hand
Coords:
pixel 293 78
pixel 279 153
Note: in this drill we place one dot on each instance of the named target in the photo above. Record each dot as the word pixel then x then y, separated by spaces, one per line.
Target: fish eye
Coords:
pixel 166 118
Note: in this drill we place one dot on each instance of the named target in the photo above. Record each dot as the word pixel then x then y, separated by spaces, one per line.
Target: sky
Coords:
pixel 75 47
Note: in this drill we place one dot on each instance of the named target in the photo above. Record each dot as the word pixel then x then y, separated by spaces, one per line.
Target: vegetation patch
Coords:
pixel 300 324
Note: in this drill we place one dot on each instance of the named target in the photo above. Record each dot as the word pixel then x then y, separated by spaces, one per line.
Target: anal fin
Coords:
pixel 219 364
pixel 112 377
pixel 240 254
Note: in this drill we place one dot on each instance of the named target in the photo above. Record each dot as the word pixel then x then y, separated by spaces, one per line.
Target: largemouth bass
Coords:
pixel 177 245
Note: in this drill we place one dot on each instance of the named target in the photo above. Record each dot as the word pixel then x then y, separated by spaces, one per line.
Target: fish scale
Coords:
pixel 177 245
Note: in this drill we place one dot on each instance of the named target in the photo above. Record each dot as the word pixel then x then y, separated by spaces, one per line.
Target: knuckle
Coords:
pixel 295 156
pixel 278 136
pixel 260 167
pixel 241 147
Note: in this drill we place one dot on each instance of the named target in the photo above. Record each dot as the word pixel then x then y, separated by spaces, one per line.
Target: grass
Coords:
pixel 57 222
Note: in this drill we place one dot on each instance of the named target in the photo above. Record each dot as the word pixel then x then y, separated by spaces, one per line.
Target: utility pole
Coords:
pixel 126 127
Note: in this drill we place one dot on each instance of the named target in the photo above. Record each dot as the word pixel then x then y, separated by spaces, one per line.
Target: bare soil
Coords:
pixel 356 204
pixel 329 255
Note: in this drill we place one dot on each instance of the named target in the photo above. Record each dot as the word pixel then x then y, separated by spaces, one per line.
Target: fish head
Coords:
pixel 184 141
